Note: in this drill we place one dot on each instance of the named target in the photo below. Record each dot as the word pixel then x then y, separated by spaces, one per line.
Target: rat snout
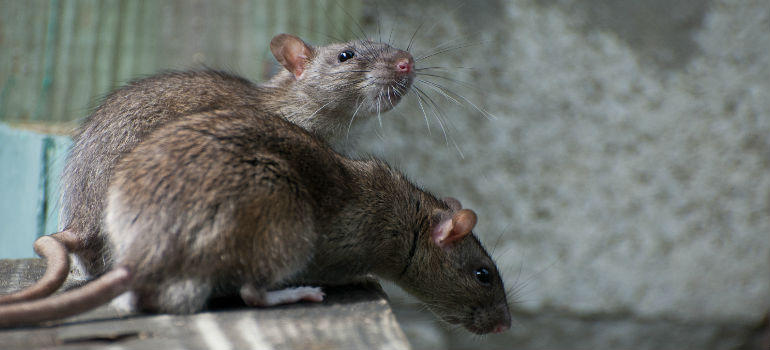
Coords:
pixel 404 63
pixel 492 319
pixel 502 327
pixel 505 323
pixel 404 66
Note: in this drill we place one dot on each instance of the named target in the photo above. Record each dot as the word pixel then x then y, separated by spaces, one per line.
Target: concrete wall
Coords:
pixel 624 183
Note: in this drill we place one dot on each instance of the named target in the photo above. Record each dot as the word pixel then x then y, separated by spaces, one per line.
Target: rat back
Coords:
pixel 319 90
pixel 127 116
pixel 218 200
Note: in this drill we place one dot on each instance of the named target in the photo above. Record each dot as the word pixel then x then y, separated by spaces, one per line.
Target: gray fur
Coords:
pixel 322 100
pixel 222 199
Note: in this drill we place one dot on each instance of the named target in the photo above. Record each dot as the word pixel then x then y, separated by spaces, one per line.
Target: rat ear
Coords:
pixel 291 52
pixel 453 203
pixel 450 230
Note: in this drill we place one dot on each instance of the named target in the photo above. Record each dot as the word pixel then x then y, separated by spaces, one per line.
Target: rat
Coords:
pixel 322 89
pixel 241 202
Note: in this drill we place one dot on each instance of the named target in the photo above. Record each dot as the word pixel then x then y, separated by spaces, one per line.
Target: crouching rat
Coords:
pixel 243 202
pixel 322 89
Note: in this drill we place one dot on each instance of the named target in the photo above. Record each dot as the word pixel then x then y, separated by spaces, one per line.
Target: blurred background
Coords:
pixel 617 152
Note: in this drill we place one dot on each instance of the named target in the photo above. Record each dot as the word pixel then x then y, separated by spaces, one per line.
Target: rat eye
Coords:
pixel 482 274
pixel 346 55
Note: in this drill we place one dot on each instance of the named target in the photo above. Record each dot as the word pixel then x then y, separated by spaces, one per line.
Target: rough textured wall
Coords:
pixel 624 183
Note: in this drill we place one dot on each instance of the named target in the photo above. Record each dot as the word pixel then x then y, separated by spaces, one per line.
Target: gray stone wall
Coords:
pixel 623 182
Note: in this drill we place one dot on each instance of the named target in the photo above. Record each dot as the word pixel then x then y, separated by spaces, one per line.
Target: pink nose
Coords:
pixel 501 328
pixel 404 65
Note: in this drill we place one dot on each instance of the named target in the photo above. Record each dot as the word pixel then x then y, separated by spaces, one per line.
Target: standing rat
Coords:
pixel 243 202
pixel 322 89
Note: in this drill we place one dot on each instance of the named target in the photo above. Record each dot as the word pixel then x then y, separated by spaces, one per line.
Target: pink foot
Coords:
pixel 282 296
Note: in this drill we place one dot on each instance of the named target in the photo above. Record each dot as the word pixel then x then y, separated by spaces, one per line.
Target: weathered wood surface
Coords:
pixel 356 316
pixel 57 57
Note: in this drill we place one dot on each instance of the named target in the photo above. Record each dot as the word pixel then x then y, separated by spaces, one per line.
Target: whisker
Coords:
pixel 462 83
pixel 447 91
pixel 447 49
pixel 355 21
pixel 460 4
pixel 347 71
pixel 447 137
pixel 379 118
pixel 322 107
pixel 500 236
pixel 442 93
pixel 435 107
pixel 411 39
pixel 347 137
pixel 419 102
pixel 379 21
pixel 443 68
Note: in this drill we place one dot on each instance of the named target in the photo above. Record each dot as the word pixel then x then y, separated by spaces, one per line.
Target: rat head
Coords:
pixel 453 274
pixel 357 77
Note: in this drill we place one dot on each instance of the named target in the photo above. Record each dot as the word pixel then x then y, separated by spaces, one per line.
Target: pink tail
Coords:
pixel 92 295
pixel 54 249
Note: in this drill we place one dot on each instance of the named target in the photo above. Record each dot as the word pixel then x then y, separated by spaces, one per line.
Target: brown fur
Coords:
pixel 322 100
pixel 222 199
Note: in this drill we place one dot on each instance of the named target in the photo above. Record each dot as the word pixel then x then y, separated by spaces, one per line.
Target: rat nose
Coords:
pixel 501 328
pixel 405 65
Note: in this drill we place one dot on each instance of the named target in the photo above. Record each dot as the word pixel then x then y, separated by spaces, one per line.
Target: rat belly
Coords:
pixel 180 259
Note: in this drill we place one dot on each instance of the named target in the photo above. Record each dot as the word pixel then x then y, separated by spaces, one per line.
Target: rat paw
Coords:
pixel 253 297
pixel 124 303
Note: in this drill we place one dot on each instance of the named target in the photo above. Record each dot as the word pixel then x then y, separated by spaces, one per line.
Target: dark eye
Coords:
pixel 482 275
pixel 346 55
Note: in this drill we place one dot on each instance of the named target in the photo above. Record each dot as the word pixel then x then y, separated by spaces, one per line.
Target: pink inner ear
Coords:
pixel 441 231
pixel 296 55
pixel 463 221
pixel 291 52
pixel 451 230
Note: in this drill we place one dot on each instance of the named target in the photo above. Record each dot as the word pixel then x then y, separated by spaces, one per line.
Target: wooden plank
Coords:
pixel 354 316
pixel 58 56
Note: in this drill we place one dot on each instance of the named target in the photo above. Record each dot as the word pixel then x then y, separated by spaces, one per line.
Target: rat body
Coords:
pixel 243 202
pixel 322 89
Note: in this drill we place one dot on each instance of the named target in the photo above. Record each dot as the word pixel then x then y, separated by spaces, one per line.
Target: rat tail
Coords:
pixel 55 249
pixel 93 294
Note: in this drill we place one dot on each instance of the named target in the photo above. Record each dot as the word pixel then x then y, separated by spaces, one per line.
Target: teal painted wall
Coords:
pixel 58 57
pixel 30 166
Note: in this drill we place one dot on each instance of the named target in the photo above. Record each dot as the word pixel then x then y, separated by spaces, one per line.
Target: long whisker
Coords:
pixel 411 39
pixel 419 102
pixel 447 137
pixel 447 49
pixel 390 36
pixel 442 68
pixel 462 83
pixel 322 107
pixel 442 93
pixel 460 4
pixel 447 91
pixel 355 21
pixel 435 108
pixel 347 71
pixel 347 137
pixel 379 118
